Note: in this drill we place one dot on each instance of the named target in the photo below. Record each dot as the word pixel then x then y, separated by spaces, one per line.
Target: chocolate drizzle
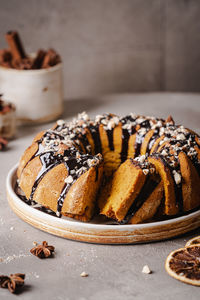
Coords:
pixel 83 139
pixel 97 174
pixel 49 161
pixel 110 139
pixel 125 140
pixel 94 130
pixel 71 164
pixel 52 134
pixel 128 129
pixel 66 187
pixel 145 126
pixel 197 167
pixel 153 139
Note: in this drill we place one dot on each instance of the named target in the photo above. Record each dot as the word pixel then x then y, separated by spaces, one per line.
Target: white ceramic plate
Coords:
pixel 98 233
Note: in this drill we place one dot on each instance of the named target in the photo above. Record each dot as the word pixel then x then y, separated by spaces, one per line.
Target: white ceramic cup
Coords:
pixel 37 94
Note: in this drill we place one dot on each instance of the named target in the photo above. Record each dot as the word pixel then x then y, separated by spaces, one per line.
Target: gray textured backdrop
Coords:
pixel 113 45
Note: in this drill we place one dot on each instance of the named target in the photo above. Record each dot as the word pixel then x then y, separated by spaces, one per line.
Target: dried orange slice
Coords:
pixel 194 241
pixel 184 264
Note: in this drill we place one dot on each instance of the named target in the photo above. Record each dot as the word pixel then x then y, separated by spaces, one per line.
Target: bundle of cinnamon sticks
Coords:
pixel 15 57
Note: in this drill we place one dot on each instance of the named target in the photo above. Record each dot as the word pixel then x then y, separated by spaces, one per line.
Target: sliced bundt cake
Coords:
pixel 149 166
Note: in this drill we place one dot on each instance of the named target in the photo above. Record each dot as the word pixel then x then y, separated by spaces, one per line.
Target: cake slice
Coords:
pixel 171 205
pixel 190 183
pixel 122 190
pixel 134 194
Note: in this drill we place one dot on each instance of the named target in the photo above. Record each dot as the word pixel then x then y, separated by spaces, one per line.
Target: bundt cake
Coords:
pixel 131 169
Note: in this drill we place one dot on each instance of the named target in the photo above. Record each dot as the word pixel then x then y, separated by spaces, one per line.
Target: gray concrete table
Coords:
pixel 114 271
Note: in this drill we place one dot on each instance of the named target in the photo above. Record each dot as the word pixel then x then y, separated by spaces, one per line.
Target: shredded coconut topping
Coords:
pixel 69 179
pixel 140 158
pixel 177 177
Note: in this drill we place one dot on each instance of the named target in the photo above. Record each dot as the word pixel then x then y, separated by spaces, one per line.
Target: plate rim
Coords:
pixel 86 225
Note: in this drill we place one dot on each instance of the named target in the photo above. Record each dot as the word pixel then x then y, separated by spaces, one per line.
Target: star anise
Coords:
pixel 43 251
pixel 13 282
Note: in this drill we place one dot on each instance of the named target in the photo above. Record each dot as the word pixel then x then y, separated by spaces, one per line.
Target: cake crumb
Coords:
pixel 11 228
pixel 35 243
pixel 146 270
pixel 1 259
pixel 84 274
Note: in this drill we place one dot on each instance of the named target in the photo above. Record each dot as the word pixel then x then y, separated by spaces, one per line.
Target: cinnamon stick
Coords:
pixel 38 61
pixel 16 47
pixel 51 59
